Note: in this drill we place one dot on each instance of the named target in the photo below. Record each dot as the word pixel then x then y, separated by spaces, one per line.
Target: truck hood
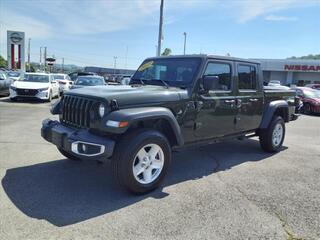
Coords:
pixel 131 95
pixel 30 85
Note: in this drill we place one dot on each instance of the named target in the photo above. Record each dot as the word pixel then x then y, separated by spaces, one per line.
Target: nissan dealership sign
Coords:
pixel 15 50
pixel 310 68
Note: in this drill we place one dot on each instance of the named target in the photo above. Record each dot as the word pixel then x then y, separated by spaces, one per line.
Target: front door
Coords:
pixel 216 108
pixel 249 97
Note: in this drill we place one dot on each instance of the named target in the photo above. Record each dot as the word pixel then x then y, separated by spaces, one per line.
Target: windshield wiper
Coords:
pixel 140 79
pixel 164 83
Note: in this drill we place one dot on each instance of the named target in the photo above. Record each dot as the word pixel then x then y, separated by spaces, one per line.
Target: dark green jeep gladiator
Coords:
pixel 171 102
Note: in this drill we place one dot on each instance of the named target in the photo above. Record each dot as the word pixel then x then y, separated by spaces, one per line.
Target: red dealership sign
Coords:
pixel 312 68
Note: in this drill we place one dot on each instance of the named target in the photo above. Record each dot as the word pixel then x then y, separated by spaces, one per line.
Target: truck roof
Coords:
pixel 208 56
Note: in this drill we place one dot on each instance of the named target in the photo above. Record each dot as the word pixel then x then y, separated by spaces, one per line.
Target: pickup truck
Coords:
pixel 172 102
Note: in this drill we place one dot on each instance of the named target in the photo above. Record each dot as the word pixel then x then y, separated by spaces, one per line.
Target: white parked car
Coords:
pixel 125 80
pixel 35 85
pixel 14 75
pixel 274 83
pixel 64 81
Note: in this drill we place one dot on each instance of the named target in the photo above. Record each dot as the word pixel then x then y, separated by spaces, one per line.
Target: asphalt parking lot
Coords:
pixel 229 190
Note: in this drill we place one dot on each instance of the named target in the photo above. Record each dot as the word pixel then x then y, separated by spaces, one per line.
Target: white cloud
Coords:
pixel 273 17
pixel 13 21
pixel 251 9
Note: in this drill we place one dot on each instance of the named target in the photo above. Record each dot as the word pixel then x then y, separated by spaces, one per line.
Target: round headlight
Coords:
pixel 101 109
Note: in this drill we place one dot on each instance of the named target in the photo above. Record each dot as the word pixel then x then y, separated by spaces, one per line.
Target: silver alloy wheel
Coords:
pixel 148 163
pixel 277 135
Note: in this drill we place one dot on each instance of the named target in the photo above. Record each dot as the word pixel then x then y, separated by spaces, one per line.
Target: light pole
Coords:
pixel 114 65
pixel 126 61
pixel 29 68
pixel 40 63
pixel 45 58
pixel 160 29
pixel 185 42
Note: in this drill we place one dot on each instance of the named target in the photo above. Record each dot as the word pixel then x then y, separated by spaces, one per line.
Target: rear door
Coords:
pixel 216 112
pixel 249 97
pixel 55 85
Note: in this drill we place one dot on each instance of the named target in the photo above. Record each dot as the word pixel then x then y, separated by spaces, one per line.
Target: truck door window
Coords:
pixel 223 72
pixel 247 76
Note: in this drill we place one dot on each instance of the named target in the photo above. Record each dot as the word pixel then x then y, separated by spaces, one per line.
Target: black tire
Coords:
pixel 125 157
pixel 68 155
pixel 307 108
pixel 266 135
pixel 13 99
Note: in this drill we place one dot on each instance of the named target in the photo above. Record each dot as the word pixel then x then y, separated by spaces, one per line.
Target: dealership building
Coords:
pixel 291 71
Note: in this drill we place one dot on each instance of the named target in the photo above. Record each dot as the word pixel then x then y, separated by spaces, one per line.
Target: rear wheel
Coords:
pixel 141 160
pixel 271 139
pixel 68 155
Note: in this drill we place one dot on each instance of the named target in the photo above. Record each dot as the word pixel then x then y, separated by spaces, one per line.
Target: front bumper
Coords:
pixel 78 142
pixel 43 95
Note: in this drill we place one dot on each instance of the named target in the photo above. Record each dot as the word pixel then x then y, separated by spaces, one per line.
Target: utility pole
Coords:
pixel 45 58
pixel 29 68
pixel 185 41
pixel 114 65
pixel 63 65
pixel 160 29
pixel 40 63
pixel 126 60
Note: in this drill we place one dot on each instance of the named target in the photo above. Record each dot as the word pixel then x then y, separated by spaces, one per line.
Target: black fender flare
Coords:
pixel 56 107
pixel 269 111
pixel 133 115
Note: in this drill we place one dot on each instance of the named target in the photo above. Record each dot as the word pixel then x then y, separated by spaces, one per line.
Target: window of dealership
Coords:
pixel 291 72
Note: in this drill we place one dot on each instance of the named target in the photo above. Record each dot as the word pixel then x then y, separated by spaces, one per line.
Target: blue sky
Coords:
pixel 93 32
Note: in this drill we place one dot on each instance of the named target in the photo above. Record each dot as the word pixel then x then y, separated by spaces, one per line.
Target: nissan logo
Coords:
pixel 15 37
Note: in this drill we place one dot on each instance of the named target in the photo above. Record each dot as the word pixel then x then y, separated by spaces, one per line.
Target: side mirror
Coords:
pixel 209 82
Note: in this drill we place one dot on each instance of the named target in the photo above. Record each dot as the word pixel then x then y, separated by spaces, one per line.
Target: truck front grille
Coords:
pixel 76 111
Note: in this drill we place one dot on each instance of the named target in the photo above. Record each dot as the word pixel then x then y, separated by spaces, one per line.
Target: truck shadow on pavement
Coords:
pixel 66 192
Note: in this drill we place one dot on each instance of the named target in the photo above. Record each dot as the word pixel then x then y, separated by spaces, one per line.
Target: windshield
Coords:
pixel 58 76
pixel 35 78
pixel 174 71
pixel 311 94
pixel 13 74
pixel 89 81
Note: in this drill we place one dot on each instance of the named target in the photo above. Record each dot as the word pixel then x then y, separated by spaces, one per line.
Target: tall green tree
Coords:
pixel 3 62
pixel 166 52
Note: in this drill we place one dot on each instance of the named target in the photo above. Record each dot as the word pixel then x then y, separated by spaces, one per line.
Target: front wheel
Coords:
pixel 271 139
pixel 49 97
pixel 141 160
